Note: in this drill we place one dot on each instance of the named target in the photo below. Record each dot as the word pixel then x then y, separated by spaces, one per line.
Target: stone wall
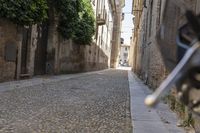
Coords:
pixel 80 58
pixel 40 49
pixel 147 63
pixel 95 58
pixel 147 60
pixel 65 56
pixel 10 39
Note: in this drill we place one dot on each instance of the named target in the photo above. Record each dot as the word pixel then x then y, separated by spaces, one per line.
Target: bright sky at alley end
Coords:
pixel 127 24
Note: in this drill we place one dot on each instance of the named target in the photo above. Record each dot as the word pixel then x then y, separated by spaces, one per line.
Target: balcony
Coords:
pixel 101 17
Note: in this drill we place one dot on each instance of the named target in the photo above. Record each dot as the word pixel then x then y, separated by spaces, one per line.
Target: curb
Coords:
pixel 148 120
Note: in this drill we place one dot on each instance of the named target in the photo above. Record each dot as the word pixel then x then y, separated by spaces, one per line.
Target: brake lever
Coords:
pixel 173 78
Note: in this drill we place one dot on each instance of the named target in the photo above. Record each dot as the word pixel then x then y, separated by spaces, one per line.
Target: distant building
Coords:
pixel 122 40
pixel 105 12
pixel 124 55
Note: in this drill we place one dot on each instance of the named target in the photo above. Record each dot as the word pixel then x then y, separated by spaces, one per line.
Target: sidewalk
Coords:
pixel 147 120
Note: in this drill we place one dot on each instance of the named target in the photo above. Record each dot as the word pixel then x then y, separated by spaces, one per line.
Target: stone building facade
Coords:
pixel 147 63
pixel 148 21
pixel 152 17
pixel 124 54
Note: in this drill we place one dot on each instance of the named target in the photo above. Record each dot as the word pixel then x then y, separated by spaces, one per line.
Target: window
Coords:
pixel 122 40
pixel 93 2
pixel 125 55
pixel 151 15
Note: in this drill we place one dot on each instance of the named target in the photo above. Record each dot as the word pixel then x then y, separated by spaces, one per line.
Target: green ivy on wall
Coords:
pixel 86 25
pixel 24 12
pixel 76 17
pixel 76 20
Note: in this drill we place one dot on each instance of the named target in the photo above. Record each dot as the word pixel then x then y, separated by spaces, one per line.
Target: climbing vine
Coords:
pixel 76 17
pixel 85 29
pixel 67 11
pixel 76 20
pixel 24 12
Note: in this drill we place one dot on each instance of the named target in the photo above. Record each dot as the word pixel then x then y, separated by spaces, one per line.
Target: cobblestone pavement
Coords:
pixel 94 103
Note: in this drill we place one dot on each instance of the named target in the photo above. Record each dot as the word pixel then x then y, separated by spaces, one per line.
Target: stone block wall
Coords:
pixel 71 57
pixel 11 39
pixel 80 58
pixel 9 35
pixel 148 64
pixel 95 58
pixel 147 60
pixel 63 56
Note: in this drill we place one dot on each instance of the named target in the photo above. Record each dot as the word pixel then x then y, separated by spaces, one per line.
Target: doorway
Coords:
pixel 41 51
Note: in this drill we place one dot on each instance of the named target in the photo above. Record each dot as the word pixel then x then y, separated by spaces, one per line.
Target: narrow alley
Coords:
pixel 99 66
pixel 94 102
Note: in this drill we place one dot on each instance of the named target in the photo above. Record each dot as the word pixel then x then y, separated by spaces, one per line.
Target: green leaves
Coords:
pixel 76 17
pixel 68 16
pixel 24 12
pixel 76 20
pixel 85 28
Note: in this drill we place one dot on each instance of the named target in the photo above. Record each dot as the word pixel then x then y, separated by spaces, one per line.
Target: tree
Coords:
pixel 76 20
pixel 24 12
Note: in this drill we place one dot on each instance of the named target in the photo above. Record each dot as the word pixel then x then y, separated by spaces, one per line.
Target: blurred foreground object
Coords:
pixel 182 56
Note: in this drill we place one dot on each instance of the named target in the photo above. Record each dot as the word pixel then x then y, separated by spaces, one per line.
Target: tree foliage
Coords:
pixel 85 28
pixel 76 17
pixel 24 12
pixel 76 20
pixel 67 10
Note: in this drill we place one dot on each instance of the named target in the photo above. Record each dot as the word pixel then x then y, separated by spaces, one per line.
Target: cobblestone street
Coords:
pixel 109 101
pixel 85 103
